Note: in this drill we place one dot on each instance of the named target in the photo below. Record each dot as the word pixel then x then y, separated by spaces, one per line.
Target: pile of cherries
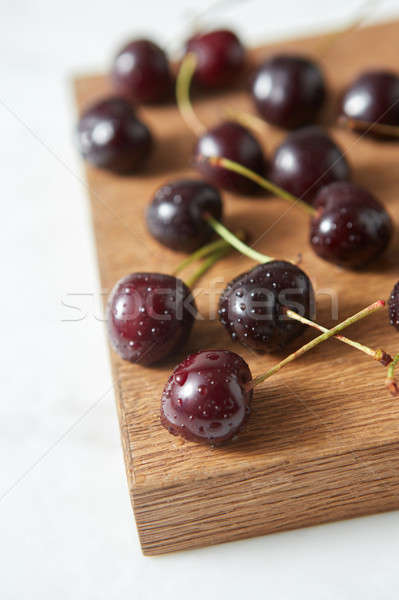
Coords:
pixel 150 315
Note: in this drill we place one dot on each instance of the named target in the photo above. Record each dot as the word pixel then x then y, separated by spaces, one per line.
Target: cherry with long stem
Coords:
pixel 208 397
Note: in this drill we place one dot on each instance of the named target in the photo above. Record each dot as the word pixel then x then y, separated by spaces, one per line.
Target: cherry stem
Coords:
pixel 234 241
pixel 321 338
pixel 183 84
pixel 380 355
pixel 368 126
pixel 207 264
pixel 248 120
pixel 231 165
pixel 204 251
pixel 390 380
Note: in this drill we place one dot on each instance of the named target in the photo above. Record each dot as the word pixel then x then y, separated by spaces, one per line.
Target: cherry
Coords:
pixel 351 227
pixel 220 58
pixel 233 141
pixel 394 307
pixel 206 398
pixel 372 97
pixel 252 305
pixel 110 136
pixel 175 215
pixel 149 316
pixel 141 72
pixel 288 90
pixel 307 160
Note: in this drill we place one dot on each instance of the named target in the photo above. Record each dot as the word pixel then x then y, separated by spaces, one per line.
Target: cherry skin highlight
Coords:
pixel 251 307
pixel 175 215
pixel 207 397
pixel 110 136
pixel 394 307
pixel 307 160
pixel 141 73
pixel 220 58
pixel 373 97
pixel 351 227
pixel 230 140
pixel 149 316
pixel 288 90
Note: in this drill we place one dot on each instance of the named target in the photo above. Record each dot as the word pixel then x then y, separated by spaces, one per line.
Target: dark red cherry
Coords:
pixel 141 73
pixel 207 398
pixel 394 307
pixel 351 227
pixel 149 316
pixel 230 140
pixel 288 90
pixel 307 160
pixel 110 136
pixel 251 306
pixel 175 215
pixel 220 58
pixel 373 97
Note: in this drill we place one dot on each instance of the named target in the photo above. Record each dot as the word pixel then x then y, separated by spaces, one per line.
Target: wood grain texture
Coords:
pixel 323 440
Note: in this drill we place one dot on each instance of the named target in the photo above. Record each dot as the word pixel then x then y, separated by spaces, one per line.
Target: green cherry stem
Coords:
pixel 207 264
pixel 232 239
pixel 380 355
pixel 205 251
pixel 183 84
pixel 321 338
pixel 231 165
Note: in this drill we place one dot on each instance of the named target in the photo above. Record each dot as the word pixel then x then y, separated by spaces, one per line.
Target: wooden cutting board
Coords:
pixel 323 440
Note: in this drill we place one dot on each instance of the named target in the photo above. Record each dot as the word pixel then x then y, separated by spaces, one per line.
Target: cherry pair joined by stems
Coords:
pixel 111 136
pixel 150 315
pixel 208 396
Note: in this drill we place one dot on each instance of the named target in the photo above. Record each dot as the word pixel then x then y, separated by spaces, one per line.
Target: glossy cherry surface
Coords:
pixel 394 307
pixel 352 227
pixel 251 306
pixel 207 398
pixel 307 160
pixel 175 215
pixel 141 73
pixel 149 316
pixel 110 136
pixel 373 96
pixel 230 140
pixel 288 90
pixel 220 58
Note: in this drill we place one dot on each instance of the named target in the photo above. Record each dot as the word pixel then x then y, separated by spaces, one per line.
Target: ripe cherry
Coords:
pixel 307 160
pixel 220 58
pixel 110 136
pixel 175 216
pixel 372 98
pixel 394 306
pixel 233 141
pixel 288 90
pixel 351 227
pixel 252 305
pixel 141 73
pixel 149 316
pixel 207 399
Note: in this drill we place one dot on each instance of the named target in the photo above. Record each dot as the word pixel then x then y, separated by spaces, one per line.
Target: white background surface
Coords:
pixel 66 526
